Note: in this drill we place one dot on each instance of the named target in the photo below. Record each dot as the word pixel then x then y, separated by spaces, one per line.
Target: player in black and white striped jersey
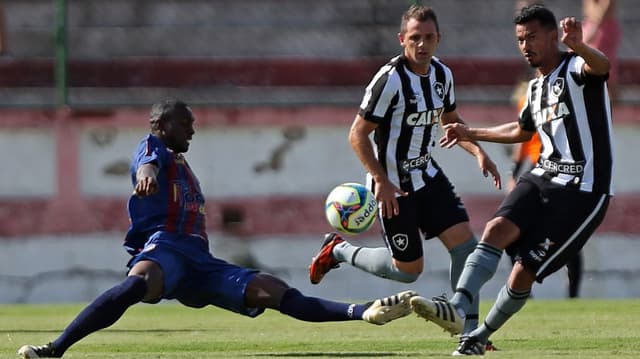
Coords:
pixel 554 209
pixel 403 106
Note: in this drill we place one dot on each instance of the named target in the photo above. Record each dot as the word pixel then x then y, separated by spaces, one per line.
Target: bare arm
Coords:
pixel 507 133
pixel 146 180
pixel 385 191
pixel 484 161
pixel 596 63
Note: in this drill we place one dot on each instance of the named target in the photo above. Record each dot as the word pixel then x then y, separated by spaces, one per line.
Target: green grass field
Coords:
pixel 544 329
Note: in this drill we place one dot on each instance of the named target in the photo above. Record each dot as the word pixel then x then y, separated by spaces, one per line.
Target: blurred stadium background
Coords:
pixel 275 85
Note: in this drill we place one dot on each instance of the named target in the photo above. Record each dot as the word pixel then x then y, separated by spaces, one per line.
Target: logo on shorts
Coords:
pixel 547 244
pixel 400 241
pixel 539 254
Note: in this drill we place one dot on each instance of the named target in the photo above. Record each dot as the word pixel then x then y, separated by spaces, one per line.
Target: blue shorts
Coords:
pixel 195 277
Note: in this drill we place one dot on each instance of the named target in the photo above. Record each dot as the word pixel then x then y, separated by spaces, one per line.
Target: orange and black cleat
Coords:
pixel 324 261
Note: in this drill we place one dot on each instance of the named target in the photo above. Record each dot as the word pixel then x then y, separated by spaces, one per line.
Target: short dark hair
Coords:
pixel 537 12
pixel 420 13
pixel 168 109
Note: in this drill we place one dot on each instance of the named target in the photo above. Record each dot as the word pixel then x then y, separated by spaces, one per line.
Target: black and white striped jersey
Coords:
pixel 571 111
pixel 407 108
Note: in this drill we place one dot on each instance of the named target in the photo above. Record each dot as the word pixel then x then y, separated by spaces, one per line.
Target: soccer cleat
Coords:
pixel 469 346
pixel 384 310
pixel 439 311
pixel 41 351
pixel 323 262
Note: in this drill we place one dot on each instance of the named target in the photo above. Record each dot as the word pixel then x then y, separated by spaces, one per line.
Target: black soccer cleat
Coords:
pixel 469 346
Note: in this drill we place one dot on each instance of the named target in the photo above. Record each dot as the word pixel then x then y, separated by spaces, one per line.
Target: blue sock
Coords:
pixel 312 309
pixel 104 311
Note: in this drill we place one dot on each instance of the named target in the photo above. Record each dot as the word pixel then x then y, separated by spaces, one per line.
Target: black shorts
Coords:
pixel 430 210
pixel 555 222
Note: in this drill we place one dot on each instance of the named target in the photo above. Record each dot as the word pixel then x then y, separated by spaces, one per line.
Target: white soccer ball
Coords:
pixel 351 208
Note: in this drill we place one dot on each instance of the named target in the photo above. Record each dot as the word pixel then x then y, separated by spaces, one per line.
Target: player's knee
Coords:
pixel 265 291
pixel 406 272
pixel 500 232
pixel 405 277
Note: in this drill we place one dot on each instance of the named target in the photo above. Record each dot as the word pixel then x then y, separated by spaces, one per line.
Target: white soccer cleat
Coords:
pixel 386 309
pixel 40 351
pixel 439 311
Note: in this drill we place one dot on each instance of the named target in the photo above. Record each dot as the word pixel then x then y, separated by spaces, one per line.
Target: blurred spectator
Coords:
pixel 601 29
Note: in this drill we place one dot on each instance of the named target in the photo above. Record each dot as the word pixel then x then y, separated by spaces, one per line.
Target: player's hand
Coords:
pixel 453 133
pixel 487 166
pixel 571 32
pixel 146 186
pixel 385 193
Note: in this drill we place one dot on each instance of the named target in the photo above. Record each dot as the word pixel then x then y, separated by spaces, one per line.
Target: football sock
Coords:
pixel 312 309
pixel 507 304
pixel 459 255
pixel 574 271
pixel 480 266
pixel 376 261
pixel 102 312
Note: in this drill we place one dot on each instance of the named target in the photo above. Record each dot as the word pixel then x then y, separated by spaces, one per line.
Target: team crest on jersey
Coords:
pixel 439 89
pixel 400 241
pixel 557 87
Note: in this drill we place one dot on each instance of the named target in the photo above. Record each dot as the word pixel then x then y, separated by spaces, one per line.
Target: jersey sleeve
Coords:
pixel 148 152
pixel 449 96
pixel 576 68
pixel 378 96
pixel 526 119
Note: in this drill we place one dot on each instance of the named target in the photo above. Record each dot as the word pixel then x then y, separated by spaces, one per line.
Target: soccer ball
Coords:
pixel 351 208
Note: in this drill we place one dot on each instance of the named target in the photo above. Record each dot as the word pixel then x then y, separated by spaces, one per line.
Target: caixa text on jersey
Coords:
pixel 424 118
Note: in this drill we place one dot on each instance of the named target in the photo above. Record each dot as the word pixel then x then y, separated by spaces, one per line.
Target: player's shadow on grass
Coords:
pixel 333 354
pixel 113 330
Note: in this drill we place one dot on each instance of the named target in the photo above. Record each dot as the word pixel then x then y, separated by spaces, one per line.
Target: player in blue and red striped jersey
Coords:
pixel 171 258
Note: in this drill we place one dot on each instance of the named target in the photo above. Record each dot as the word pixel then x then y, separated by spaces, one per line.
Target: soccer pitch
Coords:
pixel 543 329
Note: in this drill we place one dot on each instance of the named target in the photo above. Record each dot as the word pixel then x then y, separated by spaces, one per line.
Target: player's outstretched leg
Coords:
pixel 324 261
pixel 439 311
pixel 386 309
pixel 101 313
pixel 313 309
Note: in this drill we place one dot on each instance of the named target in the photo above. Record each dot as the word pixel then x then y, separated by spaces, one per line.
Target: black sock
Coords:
pixel 102 312
pixel 574 268
pixel 312 309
